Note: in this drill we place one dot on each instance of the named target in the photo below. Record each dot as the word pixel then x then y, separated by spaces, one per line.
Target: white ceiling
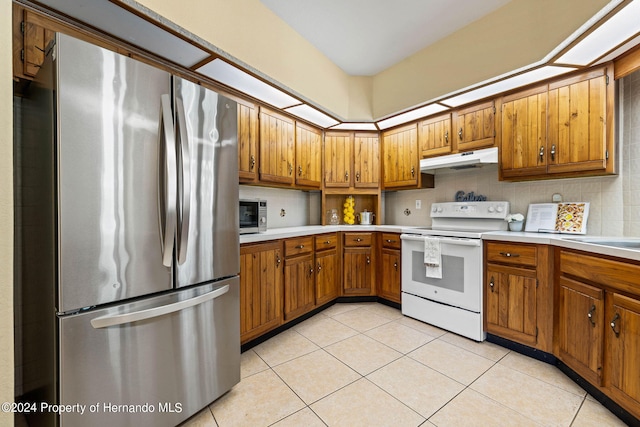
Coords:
pixel 364 37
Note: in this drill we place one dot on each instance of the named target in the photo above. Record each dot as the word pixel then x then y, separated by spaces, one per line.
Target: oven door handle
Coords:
pixel 444 240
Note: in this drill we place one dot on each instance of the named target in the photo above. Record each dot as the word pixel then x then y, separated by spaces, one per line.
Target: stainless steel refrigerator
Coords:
pixel 135 248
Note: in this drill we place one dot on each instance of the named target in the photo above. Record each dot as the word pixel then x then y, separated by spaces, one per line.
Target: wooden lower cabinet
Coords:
pixel 327 269
pixel 390 281
pixel 598 323
pixel 260 289
pixel 299 277
pixel 623 361
pixel 518 293
pixel 358 272
pixel 580 328
pixel 511 303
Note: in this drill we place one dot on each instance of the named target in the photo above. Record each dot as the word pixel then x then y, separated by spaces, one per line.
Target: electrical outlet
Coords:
pixel 418 204
pixel 556 198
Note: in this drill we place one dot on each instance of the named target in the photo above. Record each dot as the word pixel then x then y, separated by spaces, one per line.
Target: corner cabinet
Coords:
pixel 598 323
pixel 358 264
pixel 562 129
pixel 518 293
pixel 338 159
pixel 277 140
pixel 400 160
pixel 260 289
pixel 366 160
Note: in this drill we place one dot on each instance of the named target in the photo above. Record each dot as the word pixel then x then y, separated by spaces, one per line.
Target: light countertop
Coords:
pixel 560 240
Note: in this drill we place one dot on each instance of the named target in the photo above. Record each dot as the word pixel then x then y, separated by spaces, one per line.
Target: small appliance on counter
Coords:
pixel 366 217
pixel 253 216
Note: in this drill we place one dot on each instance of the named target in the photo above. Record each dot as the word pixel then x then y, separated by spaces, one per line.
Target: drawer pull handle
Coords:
pixel 310 272
pixel 395 265
pixel 368 260
pixel 299 246
pixel 278 260
pixel 358 239
pixel 319 267
pixel 614 326
pixel 492 283
pixel 509 254
pixel 590 315
pixel 253 162
pixel 391 241
pixel 328 242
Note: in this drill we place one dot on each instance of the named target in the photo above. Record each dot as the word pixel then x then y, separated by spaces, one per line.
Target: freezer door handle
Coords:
pixel 184 187
pixel 167 180
pixel 121 319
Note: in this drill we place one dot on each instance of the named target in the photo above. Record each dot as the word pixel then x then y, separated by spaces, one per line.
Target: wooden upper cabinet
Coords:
pixel 247 142
pixel 524 133
pixel 366 160
pixel 434 136
pixel 308 156
pixel 400 164
pixel 30 39
pixel 338 159
pixel 577 136
pixel 475 126
pixel 277 138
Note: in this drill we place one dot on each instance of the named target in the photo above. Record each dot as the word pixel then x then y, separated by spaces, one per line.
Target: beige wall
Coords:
pixel 6 211
pixel 518 34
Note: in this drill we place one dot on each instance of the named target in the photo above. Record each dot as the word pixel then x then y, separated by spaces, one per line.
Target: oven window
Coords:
pixel 452 272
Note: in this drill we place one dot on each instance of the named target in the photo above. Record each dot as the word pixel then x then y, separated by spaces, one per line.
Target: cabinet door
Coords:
pixel 308 156
pixel 401 157
pixel 577 136
pixel 580 328
pixel 623 338
pixel 358 271
pixel 35 39
pixel 390 283
pixel 510 294
pixel 276 148
pixel 247 142
pixel 338 159
pixel 366 160
pixel 524 134
pixel 434 136
pixel 299 286
pixel 327 279
pixel 475 126
pixel 260 289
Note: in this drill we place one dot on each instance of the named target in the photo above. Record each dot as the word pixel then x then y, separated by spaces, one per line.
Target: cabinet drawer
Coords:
pixel 357 239
pixel 512 253
pixel 391 240
pixel 298 246
pixel 326 241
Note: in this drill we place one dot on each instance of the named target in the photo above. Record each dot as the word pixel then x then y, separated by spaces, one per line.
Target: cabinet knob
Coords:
pixel 252 162
pixel 310 271
pixel 460 134
pixel 446 138
pixel 590 315
pixel 319 267
pixel 357 239
pixel 290 168
pixel 328 242
pixel 395 265
pixel 368 260
pixel 358 176
pixel 278 260
pixel 492 283
pixel 509 254
pixel 553 152
pixel 541 154
pixel 614 326
pixel 413 171
pixel 299 170
pixel 299 246
pixel 346 176
pixel 391 241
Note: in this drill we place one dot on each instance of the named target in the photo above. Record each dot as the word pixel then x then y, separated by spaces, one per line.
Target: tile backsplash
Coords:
pixel 300 207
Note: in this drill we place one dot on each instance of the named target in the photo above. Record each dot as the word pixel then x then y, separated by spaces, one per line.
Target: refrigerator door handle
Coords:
pixel 121 319
pixel 184 190
pixel 167 180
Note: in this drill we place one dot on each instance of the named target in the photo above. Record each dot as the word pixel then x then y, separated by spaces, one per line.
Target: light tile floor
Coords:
pixel 365 364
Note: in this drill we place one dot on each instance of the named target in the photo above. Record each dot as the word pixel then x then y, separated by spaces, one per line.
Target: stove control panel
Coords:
pixel 490 210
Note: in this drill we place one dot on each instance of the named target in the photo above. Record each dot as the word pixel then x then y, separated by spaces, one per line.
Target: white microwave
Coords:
pixel 253 216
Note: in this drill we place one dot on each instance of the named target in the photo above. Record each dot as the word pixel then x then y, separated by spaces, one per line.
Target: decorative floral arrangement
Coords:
pixel 514 217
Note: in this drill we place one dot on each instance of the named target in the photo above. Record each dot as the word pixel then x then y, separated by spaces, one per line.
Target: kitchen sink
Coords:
pixel 629 243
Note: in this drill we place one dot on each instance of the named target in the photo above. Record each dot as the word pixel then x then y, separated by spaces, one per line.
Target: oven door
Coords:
pixel 461 282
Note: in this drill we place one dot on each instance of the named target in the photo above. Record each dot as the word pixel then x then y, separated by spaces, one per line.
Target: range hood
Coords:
pixel 469 159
